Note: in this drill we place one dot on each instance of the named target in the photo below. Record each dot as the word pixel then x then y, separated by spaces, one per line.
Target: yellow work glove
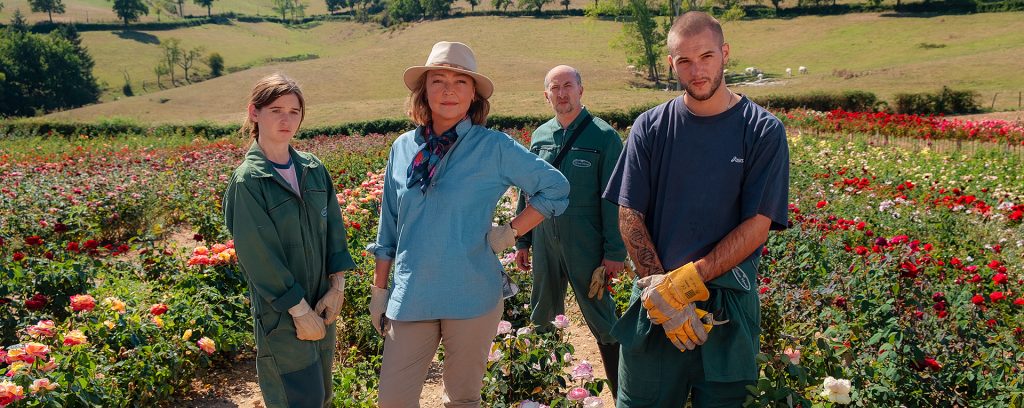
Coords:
pixel 682 286
pixel 329 306
pixel 683 326
pixel 308 325
pixel 597 283
pixel 378 306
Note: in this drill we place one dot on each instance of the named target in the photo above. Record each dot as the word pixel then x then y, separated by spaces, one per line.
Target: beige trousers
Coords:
pixel 409 347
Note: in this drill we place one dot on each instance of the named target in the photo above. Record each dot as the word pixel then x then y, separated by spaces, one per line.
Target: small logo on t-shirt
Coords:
pixel 741 278
pixel 323 212
pixel 581 163
pixel 736 160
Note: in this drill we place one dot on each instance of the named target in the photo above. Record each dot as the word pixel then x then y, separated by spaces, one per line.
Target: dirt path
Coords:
pixel 235 386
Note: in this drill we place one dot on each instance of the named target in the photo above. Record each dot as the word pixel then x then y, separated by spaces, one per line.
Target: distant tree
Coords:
pixel 1 6
pixel 473 4
pixel 533 5
pixel 335 5
pixel 188 58
pixel 298 9
pixel 405 10
pixel 48 6
pixel 566 4
pixel 130 10
pixel 282 7
pixel 160 70
pixel 18 22
pixel 181 8
pixel 501 4
pixel 205 3
pixel 436 8
pixel 643 41
pixel 778 8
pixel 43 73
pixel 216 64
pixel 171 48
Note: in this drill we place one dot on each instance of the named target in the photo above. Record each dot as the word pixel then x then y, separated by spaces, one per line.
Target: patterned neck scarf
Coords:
pixel 424 164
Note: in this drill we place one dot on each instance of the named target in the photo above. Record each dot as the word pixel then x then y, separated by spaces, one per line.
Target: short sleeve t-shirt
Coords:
pixel 696 178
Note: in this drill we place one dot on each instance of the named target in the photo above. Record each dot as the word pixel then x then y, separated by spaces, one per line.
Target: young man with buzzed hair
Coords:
pixel 702 180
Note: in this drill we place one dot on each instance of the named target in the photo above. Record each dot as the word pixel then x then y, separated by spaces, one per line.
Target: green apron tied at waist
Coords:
pixel 730 352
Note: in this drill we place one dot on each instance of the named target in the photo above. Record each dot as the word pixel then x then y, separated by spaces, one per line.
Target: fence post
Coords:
pixel 993 107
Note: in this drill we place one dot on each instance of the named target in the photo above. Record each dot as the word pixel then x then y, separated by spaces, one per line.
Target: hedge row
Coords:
pixel 945 101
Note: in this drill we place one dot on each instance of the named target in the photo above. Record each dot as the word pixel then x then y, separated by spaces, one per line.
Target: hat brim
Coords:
pixel 484 86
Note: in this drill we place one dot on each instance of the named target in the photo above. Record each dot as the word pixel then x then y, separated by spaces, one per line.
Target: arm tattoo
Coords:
pixel 638 242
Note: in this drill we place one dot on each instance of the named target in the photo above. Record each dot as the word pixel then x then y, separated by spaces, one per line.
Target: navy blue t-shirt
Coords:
pixel 696 178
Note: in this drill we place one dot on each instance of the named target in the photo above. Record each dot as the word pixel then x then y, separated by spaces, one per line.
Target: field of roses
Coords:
pixel 900 281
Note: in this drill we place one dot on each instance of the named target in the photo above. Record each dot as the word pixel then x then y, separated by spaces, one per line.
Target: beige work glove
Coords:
pixel 378 305
pixel 329 306
pixel 597 279
pixel 683 326
pixel 501 237
pixel 308 325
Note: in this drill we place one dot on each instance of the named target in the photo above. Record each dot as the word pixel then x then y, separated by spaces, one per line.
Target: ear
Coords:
pixel 725 54
pixel 252 112
pixel 668 59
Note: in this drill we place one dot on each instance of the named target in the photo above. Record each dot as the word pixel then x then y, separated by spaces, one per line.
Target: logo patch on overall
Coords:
pixel 323 212
pixel 581 163
pixel 736 160
pixel 741 278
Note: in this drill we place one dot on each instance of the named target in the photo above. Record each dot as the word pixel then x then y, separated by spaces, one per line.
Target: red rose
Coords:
pixel 1019 301
pixel 996 296
pixel 978 300
pixel 932 364
pixel 36 302
pixel 158 309
pixel 942 314
pixel 999 279
pixel 73 247
pixel 18 256
pixel 822 204
pixel 33 240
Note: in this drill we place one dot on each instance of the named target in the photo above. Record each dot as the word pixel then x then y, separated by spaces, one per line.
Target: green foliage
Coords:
pixel 945 101
pixel 854 101
pixel 130 10
pixel 216 64
pixel 643 40
pixel 205 3
pixel 532 6
pixel 436 8
pixel 47 6
pixel 44 73
pixel 405 10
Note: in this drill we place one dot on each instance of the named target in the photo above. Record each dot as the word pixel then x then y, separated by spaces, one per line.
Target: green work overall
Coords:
pixel 287 245
pixel 567 248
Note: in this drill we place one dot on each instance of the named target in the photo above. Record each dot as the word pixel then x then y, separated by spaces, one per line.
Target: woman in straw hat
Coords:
pixel 442 184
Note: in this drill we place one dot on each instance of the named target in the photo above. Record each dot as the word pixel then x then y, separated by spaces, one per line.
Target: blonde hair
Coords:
pixel 265 92
pixel 418 108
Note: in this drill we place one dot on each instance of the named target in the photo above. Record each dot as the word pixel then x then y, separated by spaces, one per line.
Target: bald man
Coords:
pixel 582 247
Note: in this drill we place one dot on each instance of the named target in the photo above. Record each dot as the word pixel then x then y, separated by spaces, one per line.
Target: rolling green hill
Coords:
pixel 357 74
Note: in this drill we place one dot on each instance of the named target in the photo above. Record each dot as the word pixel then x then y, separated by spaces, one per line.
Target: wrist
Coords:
pixel 515 231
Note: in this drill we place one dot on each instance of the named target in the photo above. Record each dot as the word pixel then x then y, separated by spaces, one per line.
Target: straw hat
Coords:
pixel 453 56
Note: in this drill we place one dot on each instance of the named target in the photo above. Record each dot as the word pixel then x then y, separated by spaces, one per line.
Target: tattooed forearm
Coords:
pixel 638 242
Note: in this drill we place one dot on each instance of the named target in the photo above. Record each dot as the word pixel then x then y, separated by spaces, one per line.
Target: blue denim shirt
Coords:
pixel 443 266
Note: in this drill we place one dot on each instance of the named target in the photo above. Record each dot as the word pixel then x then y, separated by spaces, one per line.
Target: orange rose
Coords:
pixel 74 338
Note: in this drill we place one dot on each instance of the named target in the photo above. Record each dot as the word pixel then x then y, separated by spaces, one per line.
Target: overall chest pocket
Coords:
pixel 582 166
pixel 316 202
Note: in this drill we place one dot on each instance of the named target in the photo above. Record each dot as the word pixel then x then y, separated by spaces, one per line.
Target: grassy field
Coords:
pixel 357 74
pixel 94 11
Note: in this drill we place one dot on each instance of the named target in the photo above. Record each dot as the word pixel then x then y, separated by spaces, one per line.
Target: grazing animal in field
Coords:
pixel 789 71
pixel 802 69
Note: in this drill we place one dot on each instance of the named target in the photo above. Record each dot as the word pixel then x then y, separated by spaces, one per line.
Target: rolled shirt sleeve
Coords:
pixel 387 228
pixel 547 188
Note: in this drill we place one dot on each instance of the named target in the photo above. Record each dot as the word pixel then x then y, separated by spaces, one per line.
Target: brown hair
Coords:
pixel 693 23
pixel 265 92
pixel 418 108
